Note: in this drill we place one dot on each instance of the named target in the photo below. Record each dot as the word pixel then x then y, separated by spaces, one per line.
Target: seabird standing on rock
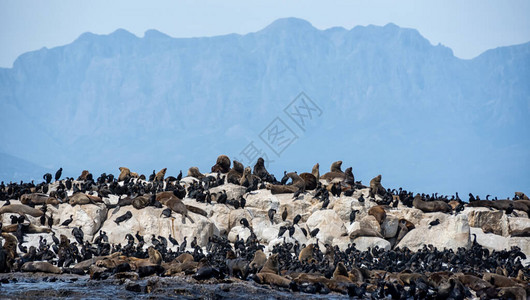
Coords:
pixel 68 221
pixel 271 213
pixel 284 214
pixel 58 174
pixel 434 223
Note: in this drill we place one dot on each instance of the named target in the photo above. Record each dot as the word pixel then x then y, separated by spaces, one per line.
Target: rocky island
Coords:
pixel 237 230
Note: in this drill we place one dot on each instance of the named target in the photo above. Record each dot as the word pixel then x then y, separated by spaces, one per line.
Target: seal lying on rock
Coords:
pixel 40 266
pixel 38 199
pixel 298 184
pixel 430 206
pixel 28 228
pixel 21 209
pixel 177 206
pixel 501 204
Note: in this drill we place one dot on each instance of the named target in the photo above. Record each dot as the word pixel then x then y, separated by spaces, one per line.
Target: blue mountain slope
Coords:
pixel 392 104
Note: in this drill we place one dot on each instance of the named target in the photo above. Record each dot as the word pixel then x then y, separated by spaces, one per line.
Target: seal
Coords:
pixel 40 266
pixel 38 199
pixel 378 212
pixel 430 206
pixel 235 174
pixel 312 178
pixel 160 175
pixel 177 206
pixel 83 175
pixel 194 172
pixel 335 172
pixel 124 173
pixel 21 209
pixel 336 167
pixel 222 164
pixel 248 178
pixel 298 184
pixel 259 261
pixel 271 265
pixel 364 231
pixel 521 196
pixel 28 228
pixel 376 188
pixel 261 171
pixel 306 255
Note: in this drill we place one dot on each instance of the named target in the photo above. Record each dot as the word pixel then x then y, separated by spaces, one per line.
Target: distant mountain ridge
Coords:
pixel 392 103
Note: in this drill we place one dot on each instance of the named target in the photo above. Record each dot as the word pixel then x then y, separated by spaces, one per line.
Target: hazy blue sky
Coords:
pixel 468 27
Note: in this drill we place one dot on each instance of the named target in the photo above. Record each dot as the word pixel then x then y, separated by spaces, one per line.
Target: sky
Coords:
pixel 467 27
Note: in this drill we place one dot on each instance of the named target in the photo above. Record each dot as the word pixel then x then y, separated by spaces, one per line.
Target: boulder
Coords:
pixel 147 222
pixel 329 223
pixel 89 216
pixel 243 233
pixel 490 241
pixel 489 220
pixel 452 232
pixel 364 242
pixel 232 191
pixel 518 224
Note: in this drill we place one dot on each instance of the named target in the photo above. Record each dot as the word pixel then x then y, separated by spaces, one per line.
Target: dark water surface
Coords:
pixel 51 286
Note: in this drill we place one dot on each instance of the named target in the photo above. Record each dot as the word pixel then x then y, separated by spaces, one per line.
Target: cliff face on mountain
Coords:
pixel 391 103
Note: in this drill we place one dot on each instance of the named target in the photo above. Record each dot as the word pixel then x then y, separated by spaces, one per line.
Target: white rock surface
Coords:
pixel 452 232
pixel 329 223
pixel 364 242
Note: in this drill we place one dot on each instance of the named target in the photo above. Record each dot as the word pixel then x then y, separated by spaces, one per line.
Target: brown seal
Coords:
pixel 307 253
pixel 272 279
pixel 10 246
pixel 235 174
pixel 259 260
pixel 38 199
pixel 335 172
pixel 222 165
pixel 271 265
pixel 142 201
pixel 194 172
pixel 124 173
pixel 341 273
pixel 312 178
pixel 260 170
pixel 40 266
pixel 160 175
pixel 83 175
pixel 375 187
pixel 310 181
pixel 336 166
pixel 298 184
pixel 430 206
pixel 29 229
pixel 21 209
pixel 177 206
pixel 378 212
pixel 522 196
pixel 364 231
pixel 248 177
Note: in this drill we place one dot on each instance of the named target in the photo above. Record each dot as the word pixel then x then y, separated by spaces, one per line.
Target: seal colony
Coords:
pixel 305 233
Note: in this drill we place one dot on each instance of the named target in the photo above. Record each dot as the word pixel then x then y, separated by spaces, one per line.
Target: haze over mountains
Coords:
pixel 391 103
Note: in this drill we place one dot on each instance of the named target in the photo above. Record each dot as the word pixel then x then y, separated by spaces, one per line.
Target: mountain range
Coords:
pixel 385 101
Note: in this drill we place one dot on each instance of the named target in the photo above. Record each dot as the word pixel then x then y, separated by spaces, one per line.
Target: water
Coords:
pixel 39 285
